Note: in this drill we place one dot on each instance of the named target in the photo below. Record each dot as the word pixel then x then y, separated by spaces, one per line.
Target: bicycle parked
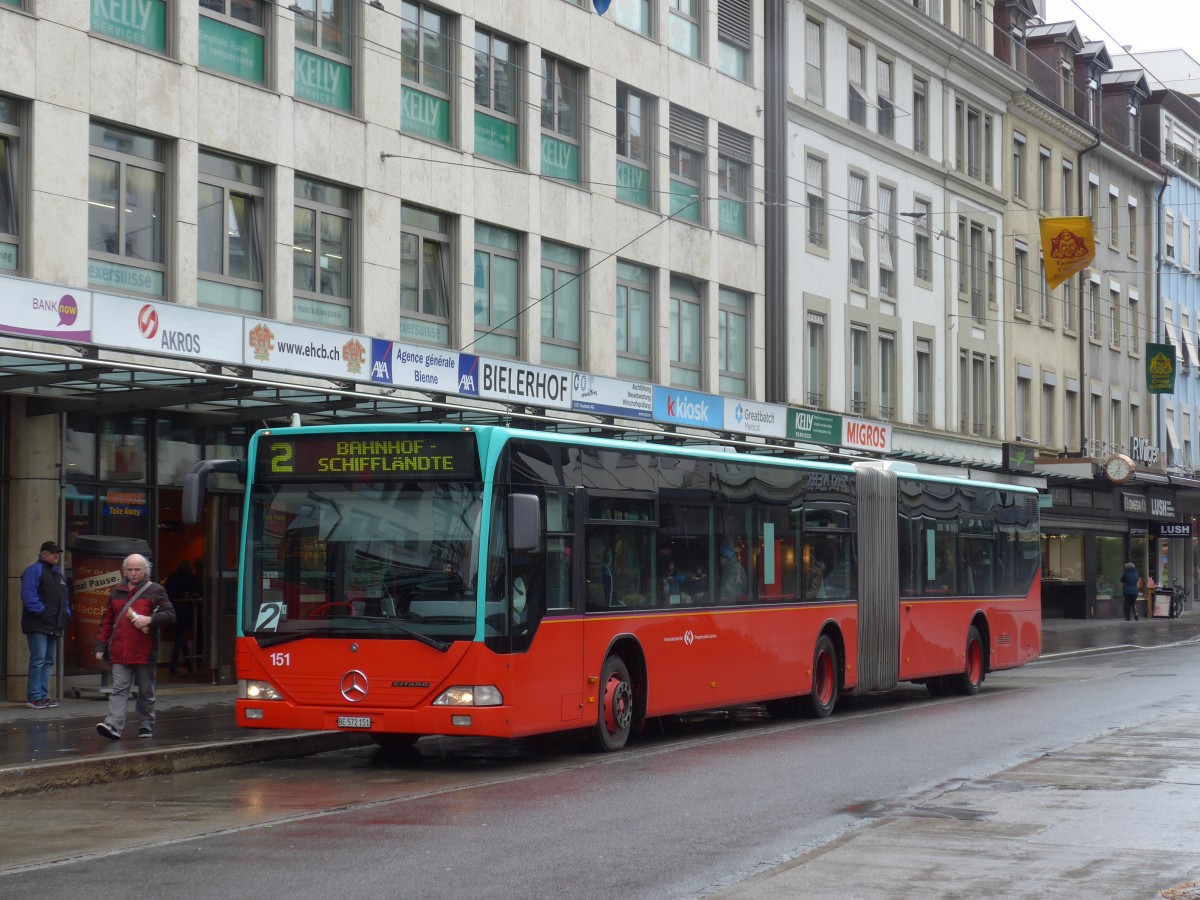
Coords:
pixel 1179 597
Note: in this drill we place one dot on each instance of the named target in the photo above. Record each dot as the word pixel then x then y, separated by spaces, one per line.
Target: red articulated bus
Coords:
pixel 409 580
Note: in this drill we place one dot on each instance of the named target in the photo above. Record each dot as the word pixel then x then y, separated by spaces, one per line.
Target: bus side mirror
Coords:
pixel 195 483
pixel 524 522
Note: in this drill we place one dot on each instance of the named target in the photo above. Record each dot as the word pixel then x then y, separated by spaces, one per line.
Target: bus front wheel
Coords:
pixel 970 680
pixel 616 707
pixel 825 676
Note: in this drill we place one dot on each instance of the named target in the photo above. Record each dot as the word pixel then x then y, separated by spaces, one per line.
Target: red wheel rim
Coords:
pixel 823 678
pixel 618 704
pixel 974 662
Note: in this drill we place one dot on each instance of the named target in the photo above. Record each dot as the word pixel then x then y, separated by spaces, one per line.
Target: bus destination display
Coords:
pixel 369 457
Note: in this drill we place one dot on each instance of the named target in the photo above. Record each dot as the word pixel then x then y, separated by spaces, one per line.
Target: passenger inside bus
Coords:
pixel 732 583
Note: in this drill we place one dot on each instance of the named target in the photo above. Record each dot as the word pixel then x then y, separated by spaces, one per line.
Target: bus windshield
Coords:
pixel 380 559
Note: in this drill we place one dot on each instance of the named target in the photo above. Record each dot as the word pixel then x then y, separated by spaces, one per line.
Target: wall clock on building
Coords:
pixel 1118 468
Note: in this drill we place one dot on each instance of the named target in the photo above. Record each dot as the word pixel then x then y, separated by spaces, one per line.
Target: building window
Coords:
pixel 560 304
pixel 814 61
pixel 1114 319
pixel 887 376
pixel 425 263
pixel 815 370
pixel 735 154
pixel 634 309
pixel 733 38
pixel 1093 311
pixel 1114 224
pixel 322 265
pixel 814 177
pixel 497 293
pixel 989 250
pixel 1066 71
pixel 886 115
pixel 686 327
pixel 1185 244
pixel 1068 189
pixel 1070 417
pixel 978 396
pixel 562 86
pixel 1021 266
pixel 496 102
pixel 1018 166
pixel 964 257
pixel 857 219
pixel 1135 338
pixel 688 139
pixel 1132 224
pixel 1068 304
pixel 1043 178
pixel 860 371
pixel 238 24
pixel 923 374
pixel 1169 234
pixel 923 241
pixel 1021 405
pixel 1047 436
pixel 427 59
pixel 126 199
pixel 683 27
pixel 231 201
pixel 324 48
pixel 977 271
pixel 11 181
pixel 920 115
pixel 147 28
pixel 635 127
pixel 973 21
pixel 733 342
pixel 856 73
pixel 1114 424
pixel 1044 289
pixel 634 15
pixel 964 391
pixel 887 241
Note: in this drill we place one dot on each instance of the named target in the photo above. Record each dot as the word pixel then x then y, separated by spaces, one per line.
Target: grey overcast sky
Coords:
pixel 1145 24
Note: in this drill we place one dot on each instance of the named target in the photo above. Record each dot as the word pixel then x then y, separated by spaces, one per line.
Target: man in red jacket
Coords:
pixel 137 608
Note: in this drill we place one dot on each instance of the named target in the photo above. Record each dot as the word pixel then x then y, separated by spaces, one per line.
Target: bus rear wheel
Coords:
pixel 970 680
pixel 825 679
pixel 611 732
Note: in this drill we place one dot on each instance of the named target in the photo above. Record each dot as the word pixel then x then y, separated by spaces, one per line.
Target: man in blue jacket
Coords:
pixel 46 609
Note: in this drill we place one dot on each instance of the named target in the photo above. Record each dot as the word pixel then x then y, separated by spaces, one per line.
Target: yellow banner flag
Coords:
pixel 1067 247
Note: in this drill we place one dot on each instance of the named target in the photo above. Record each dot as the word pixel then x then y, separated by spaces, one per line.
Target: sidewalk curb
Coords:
pixel 44 776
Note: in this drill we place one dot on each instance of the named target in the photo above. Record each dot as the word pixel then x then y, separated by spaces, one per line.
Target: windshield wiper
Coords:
pixel 274 640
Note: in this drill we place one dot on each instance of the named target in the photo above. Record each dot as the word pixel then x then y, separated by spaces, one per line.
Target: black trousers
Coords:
pixel 1131 607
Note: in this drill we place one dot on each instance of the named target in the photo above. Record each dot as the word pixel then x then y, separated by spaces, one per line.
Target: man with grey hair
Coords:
pixel 128 638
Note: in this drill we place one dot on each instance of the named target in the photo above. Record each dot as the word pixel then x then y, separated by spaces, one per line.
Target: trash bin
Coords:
pixel 1161 603
pixel 95 567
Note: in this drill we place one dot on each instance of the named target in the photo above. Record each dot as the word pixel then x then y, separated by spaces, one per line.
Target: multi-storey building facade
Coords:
pixel 532 183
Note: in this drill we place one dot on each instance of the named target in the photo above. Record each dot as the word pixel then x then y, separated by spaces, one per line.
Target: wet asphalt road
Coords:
pixel 1071 777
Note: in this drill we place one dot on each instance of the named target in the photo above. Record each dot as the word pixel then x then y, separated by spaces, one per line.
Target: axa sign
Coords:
pixel 688 408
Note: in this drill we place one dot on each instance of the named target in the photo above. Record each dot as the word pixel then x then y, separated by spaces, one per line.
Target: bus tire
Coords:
pixel 826 674
pixel 969 681
pixel 612 728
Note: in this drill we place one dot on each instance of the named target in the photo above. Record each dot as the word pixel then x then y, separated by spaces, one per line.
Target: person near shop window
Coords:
pixel 46 607
pixel 182 585
pixel 1130 583
pixel 128 637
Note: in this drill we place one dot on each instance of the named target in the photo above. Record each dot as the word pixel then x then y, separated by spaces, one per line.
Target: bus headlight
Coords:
pixel 257 690
pixel 470 695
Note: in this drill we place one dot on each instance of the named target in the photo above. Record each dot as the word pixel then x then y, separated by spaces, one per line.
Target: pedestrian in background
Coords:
pixel 1130 582
pixel 128 638
pixel 46 607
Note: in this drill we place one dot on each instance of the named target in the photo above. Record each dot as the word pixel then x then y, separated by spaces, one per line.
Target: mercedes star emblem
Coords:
pixel 354 686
